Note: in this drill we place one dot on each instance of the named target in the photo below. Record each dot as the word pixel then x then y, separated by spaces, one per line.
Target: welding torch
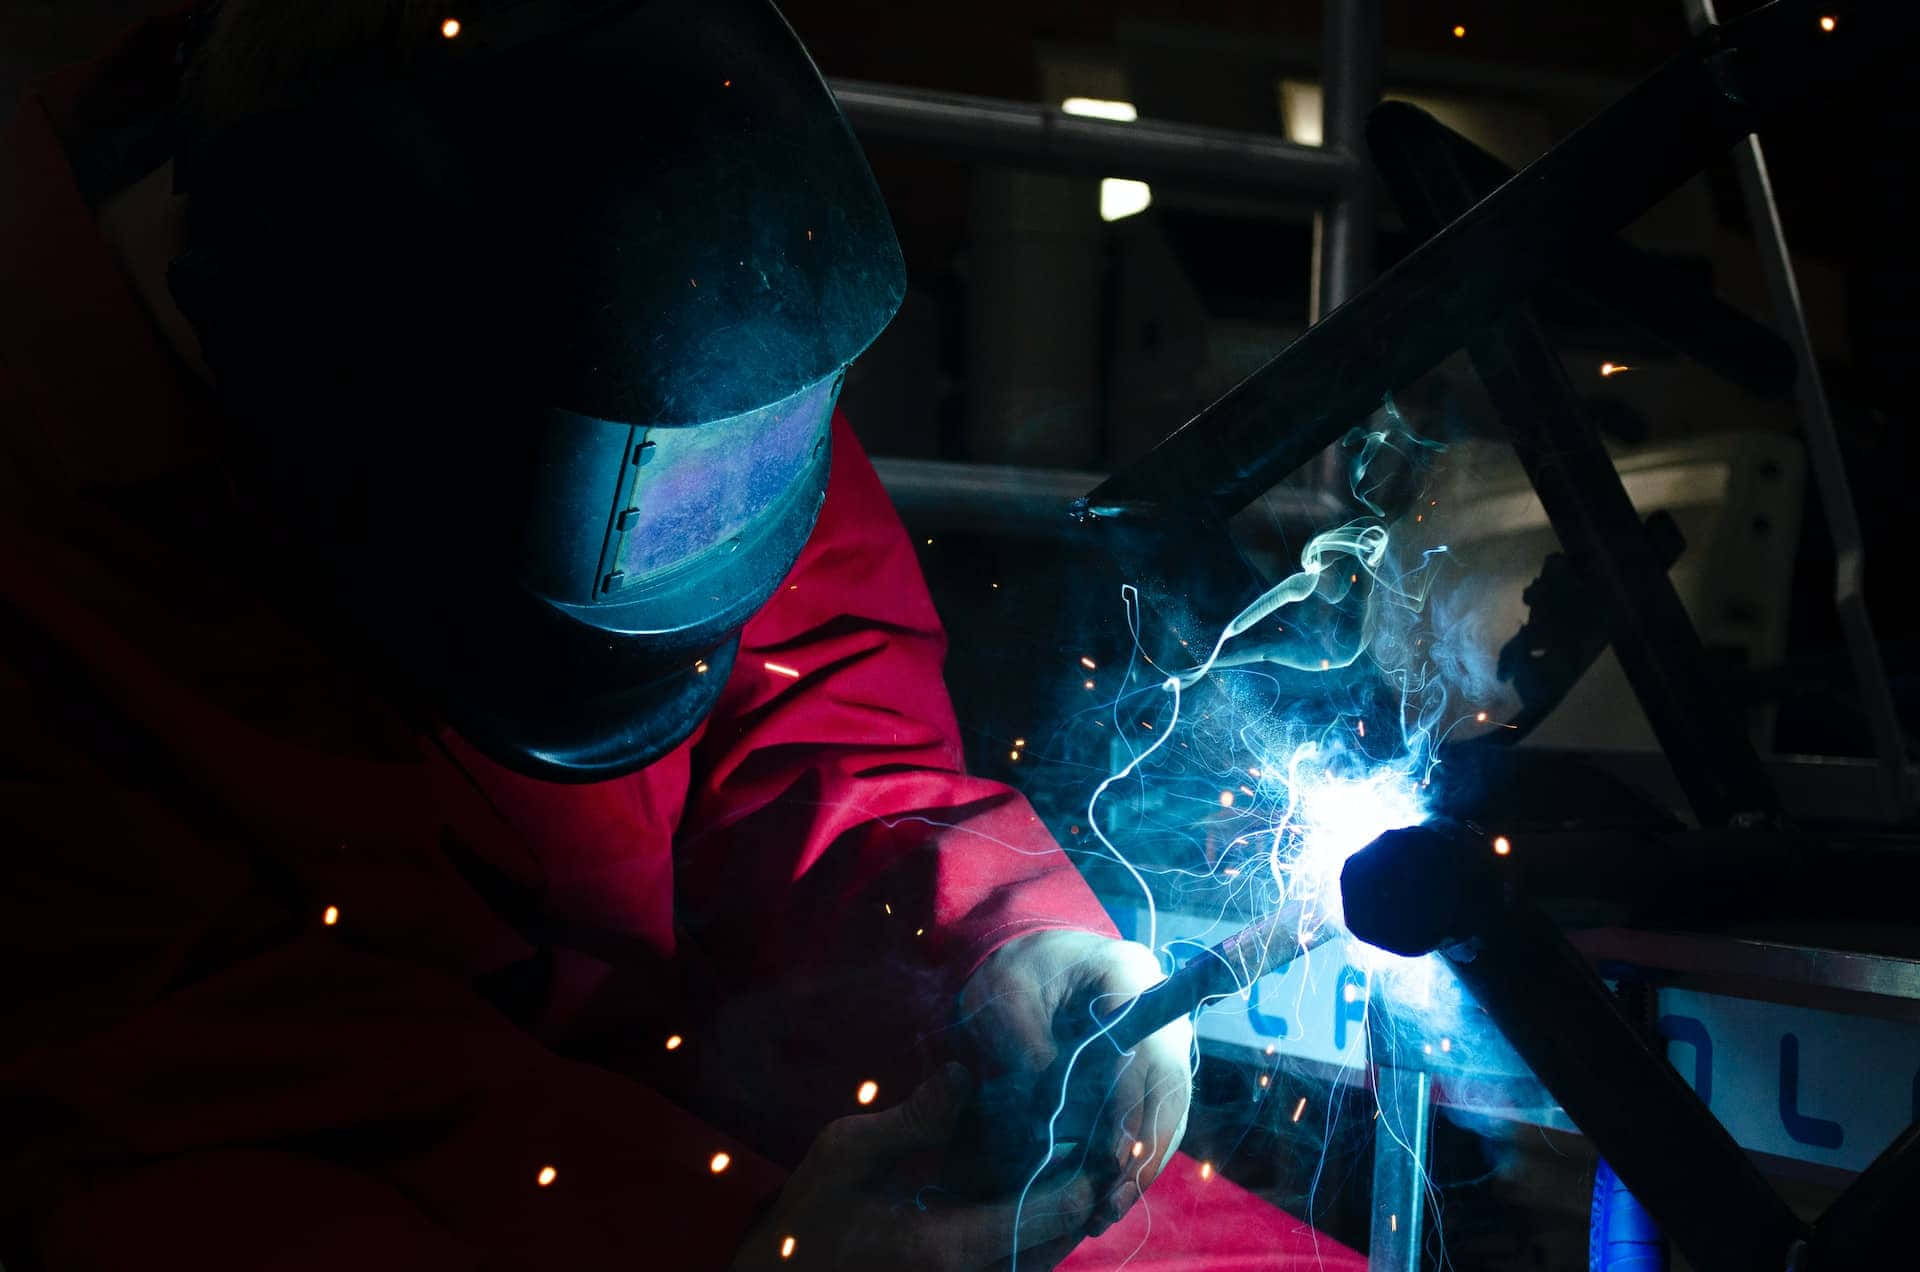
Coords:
pixel 1003 1139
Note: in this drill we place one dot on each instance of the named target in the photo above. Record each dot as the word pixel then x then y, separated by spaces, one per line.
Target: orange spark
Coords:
pixel 868 1090
pixel 1226 799
pixel 1459 33
pixel 331 915
pixel 1827 23
pixel 1265 1080
pixel 1300 1108
pixel 1363 728
pixel 546 1176
pixel 786 1247
pixel 1502 845
pixel 450 28
pixel 1089 684
pixel 1139 1147
pixel 674 1041
pixel 719 1162
pixel 1613 368
pixel 1480 716
pixel 700 666
pixel 781 669
pixel 1087 662
pixel 1013 755
pixel 1206 1170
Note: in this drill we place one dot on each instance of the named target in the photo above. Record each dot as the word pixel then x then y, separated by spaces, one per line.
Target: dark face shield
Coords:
pixel 534 336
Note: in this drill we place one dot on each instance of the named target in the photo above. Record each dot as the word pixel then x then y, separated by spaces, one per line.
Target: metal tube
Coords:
pixel 1350 56
pixel 1599 179
pixel 1556 441
pixel 1400 1139
pixel 1031 134
pixel 1829 467
pixel 1622 1094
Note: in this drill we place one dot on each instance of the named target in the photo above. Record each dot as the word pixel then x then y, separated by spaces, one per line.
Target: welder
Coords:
pixel 479 787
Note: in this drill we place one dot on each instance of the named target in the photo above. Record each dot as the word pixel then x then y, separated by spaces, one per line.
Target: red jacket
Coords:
pixel 282 973
pixel 288 984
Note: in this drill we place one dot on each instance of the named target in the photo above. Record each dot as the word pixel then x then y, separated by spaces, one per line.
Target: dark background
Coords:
pixel 1036 334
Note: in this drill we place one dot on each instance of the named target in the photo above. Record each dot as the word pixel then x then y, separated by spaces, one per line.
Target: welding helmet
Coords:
pixel 532 336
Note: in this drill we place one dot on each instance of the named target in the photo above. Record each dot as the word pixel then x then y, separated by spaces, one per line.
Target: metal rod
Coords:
pixel 1615 275
pixel 1585 189
pixel 942 494
pixel 1400 1138
pixel 1870 1225
pixel 1829 466
pixel 1562 1020
pixel 1351 53
pixel 1557 443
pixel 1031 134
pixel 1350 56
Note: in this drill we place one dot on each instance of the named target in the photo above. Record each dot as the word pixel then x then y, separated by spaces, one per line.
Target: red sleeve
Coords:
pixel 831 823
pixel 191 1076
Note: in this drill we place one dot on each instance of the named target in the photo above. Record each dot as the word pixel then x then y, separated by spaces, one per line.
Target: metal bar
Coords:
pixel 1401 1136
pixel 1557 443
pixel 948 495
pixel 1587 188
pixel 1829 467
pixel 1678 1160
pixel 1870 1225
pixel 1755 961
pixel 1029 134
pixel 1424 888
pixel 1343 231
pixel 1620 277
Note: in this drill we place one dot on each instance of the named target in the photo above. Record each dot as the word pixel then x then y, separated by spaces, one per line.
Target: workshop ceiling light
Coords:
pixel 1100 108
pixel 1122 198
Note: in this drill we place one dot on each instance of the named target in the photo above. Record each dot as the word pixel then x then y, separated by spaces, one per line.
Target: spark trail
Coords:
pixel 1291 685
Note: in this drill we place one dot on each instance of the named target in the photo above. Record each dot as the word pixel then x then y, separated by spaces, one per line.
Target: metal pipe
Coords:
pixel 1599 179
pixel 1829 467
pixel 1611 552
pixel 1350 56
pixel 937 494
pixel 1031 134
pixel 1563 1021
pixel 1400 1138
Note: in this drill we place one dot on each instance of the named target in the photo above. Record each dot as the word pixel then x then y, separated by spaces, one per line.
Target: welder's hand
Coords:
pixel 1026 1009
pixel 864 1200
